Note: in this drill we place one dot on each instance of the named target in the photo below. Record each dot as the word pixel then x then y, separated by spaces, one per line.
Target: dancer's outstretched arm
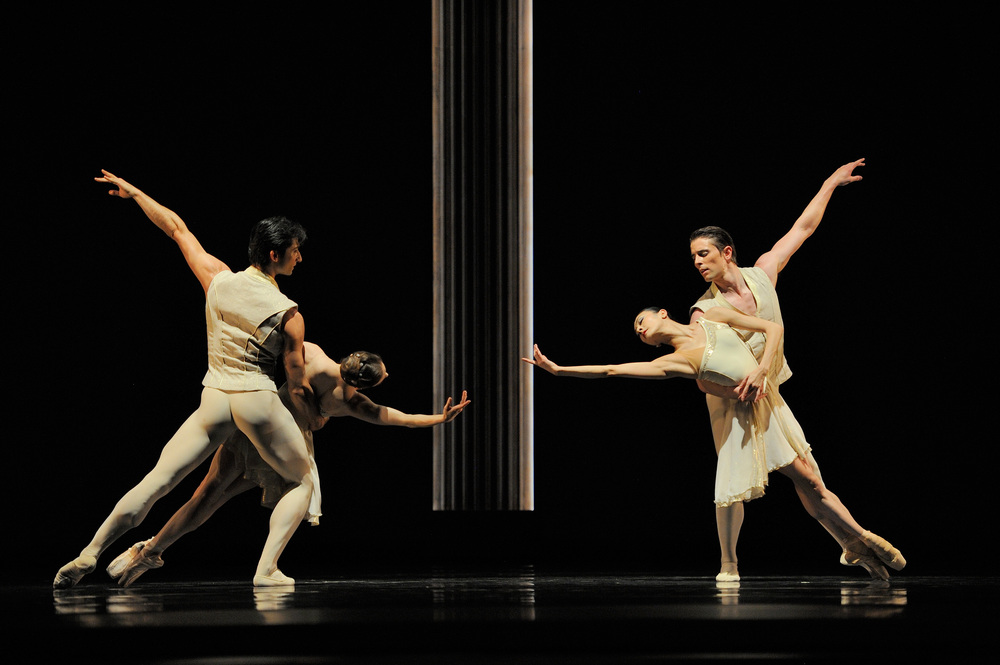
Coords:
pixel 674 365
pixel 362 408
pixel 669 366
pixel 774 260
pixel 202 264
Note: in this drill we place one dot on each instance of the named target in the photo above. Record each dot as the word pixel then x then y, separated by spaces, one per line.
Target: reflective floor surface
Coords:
pixel 519 615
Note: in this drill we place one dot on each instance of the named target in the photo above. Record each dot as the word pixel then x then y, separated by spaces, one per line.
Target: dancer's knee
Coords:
pixel 132 509
pixel 304 480
pixel 136 503
pixel 804 477
pixel 813 485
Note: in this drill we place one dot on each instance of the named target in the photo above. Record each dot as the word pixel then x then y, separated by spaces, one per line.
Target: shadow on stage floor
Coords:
pixel 523 614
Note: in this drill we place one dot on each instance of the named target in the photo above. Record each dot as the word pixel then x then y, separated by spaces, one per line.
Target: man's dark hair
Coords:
pixel 718 237
pixel 273 234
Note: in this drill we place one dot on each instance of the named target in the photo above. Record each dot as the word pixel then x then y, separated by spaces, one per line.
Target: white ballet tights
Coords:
pixel 287 454
pixel 266 422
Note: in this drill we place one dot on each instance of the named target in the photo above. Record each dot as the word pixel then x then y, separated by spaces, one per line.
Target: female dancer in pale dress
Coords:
pixel 710 349
pixel 237 467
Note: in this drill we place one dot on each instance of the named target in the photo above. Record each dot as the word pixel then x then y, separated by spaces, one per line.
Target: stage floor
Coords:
pixel 523 614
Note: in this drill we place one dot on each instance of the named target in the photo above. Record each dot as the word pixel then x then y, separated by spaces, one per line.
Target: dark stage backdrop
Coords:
pixel 646 126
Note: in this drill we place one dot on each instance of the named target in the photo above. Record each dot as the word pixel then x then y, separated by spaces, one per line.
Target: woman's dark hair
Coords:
pixel 718 237
pixel 273 234
pixel 361 369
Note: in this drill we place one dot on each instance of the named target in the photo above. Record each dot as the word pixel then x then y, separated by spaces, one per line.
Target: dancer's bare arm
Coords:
pixel 299 390
pixel 202 264
pixel 362 408
pixel 669 366
pixel 775 260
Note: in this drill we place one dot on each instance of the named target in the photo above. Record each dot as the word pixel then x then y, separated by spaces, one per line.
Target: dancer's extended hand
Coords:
pixel 124 191
pixel 540 360
pixel 451 411
pixel 845 174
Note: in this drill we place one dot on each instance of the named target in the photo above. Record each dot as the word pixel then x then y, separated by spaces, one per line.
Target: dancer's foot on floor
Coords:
pixel 74 571
pixel 277 578
pixel 139 564
pixel 866 559
pixel 728 573
pixel 117 567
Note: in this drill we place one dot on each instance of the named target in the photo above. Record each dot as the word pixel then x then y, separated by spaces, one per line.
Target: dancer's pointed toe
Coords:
pixel 120 562
pixel 866 560
pixel 884 550
pixel 74 571
pixel 137 565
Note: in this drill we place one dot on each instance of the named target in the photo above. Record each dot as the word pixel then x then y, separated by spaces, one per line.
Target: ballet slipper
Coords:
pixel 277 578
pixel 728 573
pixel 136 566
pixel 120 563
pixel 884 550
pixel 74 571
pixel 866 560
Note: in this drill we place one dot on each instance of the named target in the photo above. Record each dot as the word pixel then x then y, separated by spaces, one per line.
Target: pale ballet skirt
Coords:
pixel 755 440
pixel 272 485
pixel 751 440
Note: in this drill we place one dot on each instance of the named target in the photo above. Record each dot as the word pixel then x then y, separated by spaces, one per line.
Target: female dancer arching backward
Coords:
pixel 712 349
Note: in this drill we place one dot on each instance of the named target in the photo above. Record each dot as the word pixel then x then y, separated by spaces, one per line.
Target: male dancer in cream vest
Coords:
pixel 752 291
pixel 251 327
pixel 237 467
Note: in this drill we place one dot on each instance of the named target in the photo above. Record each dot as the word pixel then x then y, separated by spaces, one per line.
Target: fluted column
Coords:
pixel 482 252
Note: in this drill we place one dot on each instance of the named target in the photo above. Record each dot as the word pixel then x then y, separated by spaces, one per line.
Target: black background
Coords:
pixel 647 124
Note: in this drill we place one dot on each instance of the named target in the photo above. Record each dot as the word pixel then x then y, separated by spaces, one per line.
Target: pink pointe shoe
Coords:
pixel 866 560
pixel 884 550
pixel 117 567
pixel 137 565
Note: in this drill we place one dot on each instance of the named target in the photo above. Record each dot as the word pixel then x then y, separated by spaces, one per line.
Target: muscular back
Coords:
pixel 323 374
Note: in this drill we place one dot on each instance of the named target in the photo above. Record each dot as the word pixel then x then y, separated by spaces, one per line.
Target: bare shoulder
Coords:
pixel 314 353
